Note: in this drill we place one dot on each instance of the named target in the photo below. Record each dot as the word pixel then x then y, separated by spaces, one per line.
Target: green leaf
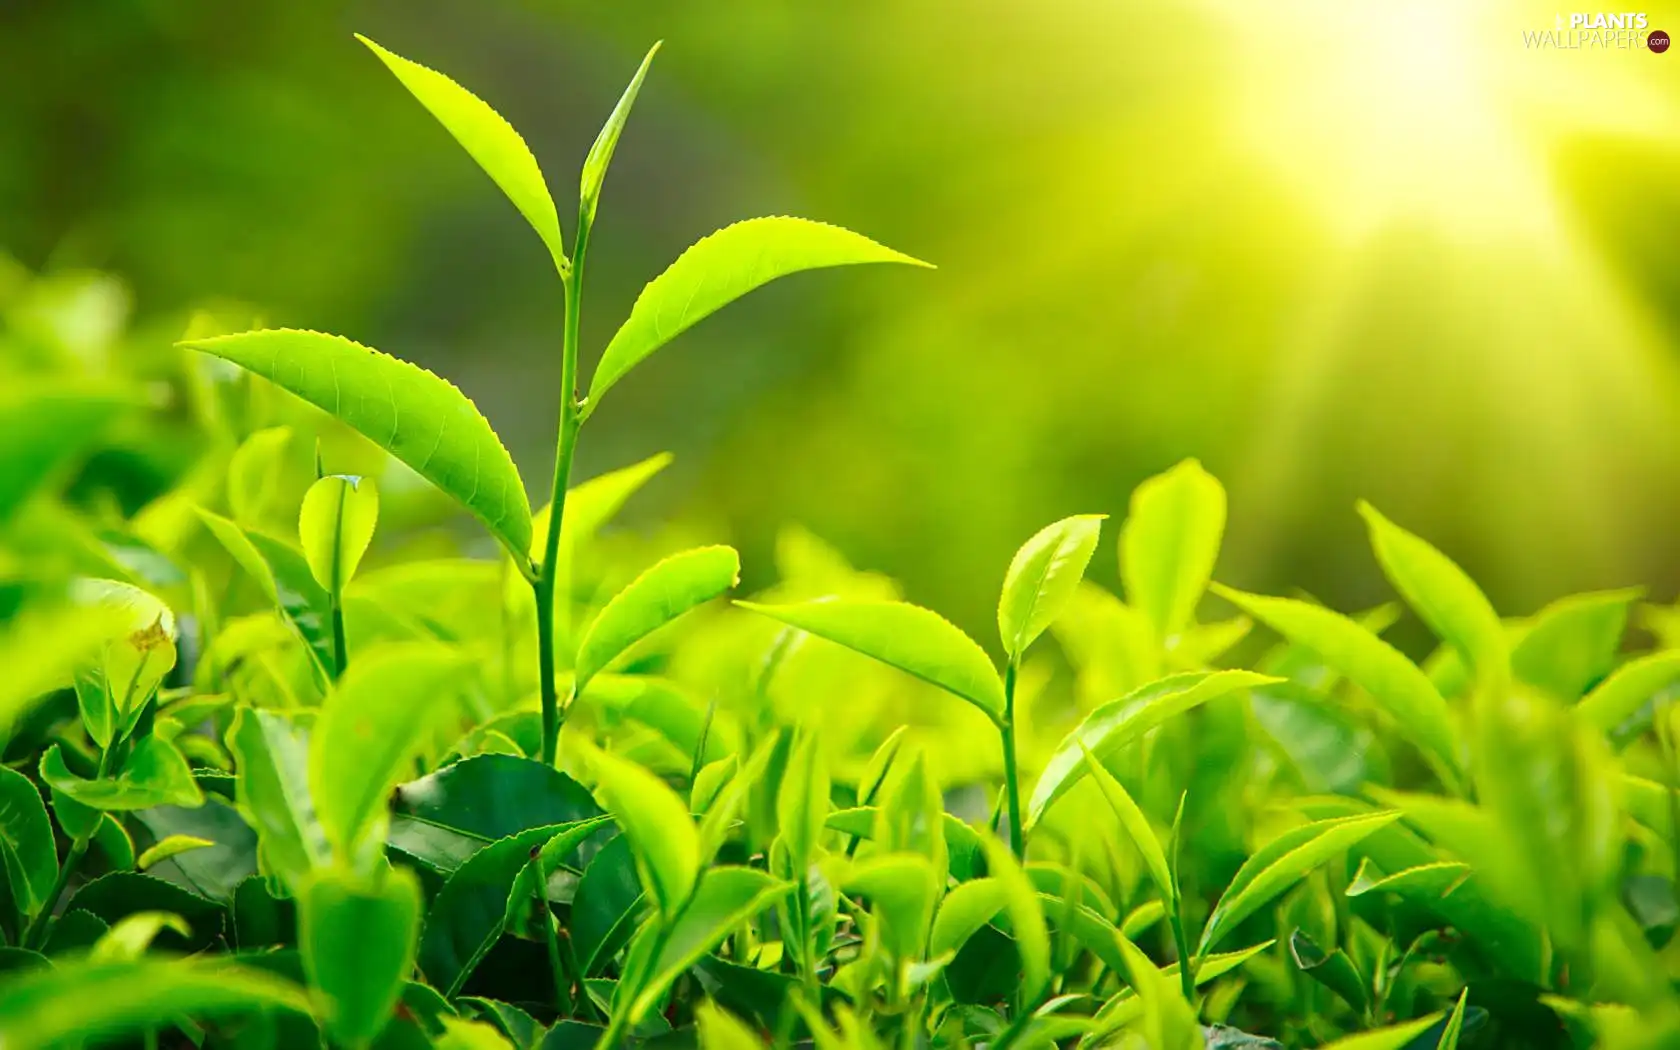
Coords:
pixel 470 912
pixel 1282 863
pixel 133 934
pixel 369 730
pixel 116 896
pixel 1443 596
pixel 1332 969
pixel 1455 1024
pixel 601 153
pixel 155 774
pixel 1572 643
pixel 802 802
pixel 1619 697
pixel 721 268
pixel 490 140
pixel 92 1000
pixel 26 843
pixel 1394 1037
pixel 1026 919
pixel 467 804
pixel 963 912
pixel 1169 544
pixel 1043 577
pixel 114 841
pixel 48 425
pixel 283 574
pixel 271 750
pixel 1136 826
pixel 726 898
pixel 172 846
pixel 914 640
pixel 404 409
pixel 93 700
pixel 253 474
pixel 659 595
pixel 1168 1022
pixel 721 1030
pixel 336 525
pixel 902 887
pixel 1119 722
pixel 1393 681
pixel 663 706
pixel 139 654
pixel 658 825
pixel 358 937
pixel 470 1035
pixel 962 841
pixel 607 903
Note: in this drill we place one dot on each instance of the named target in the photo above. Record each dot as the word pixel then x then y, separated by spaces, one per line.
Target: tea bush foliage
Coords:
pixel 289 763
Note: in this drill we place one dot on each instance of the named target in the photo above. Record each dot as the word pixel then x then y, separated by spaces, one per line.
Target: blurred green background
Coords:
pixel 1335 250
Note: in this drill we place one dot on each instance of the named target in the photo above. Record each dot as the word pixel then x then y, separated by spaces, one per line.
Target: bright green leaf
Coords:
pixel 908 637
pixel 1043 577
pixel 490 140
pixel 1384 672
pixel 404 409
pixel 726 898
pixel 1136 826
pixel 721 268
pixel 1619 697
pixel 133 934
pixel 155 774
pixel 283 574
pixel 1455 1024
pixel 1169 544
pixel 172 846
pixel 336 525
pixel 1115 724
pixel 1571 644
pixel 271 790
pixel 658 825
pixel 802 802
pixel 1026 919
pixel 253 474
pixel 902 887
pixel 967 908
pixel 1282 863
pixel 601 153
pixel 26 843
pixel 1394 1037
pixel 659 595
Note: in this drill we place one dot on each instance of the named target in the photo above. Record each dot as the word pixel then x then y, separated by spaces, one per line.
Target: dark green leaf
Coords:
pixel 358 937
pixel 26 843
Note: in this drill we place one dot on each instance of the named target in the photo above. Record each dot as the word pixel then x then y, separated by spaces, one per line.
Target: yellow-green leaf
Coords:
pixel 661 832
pixel 908 637
pixel 170 846
pixel 358 936
pixel 490 140
pixel 721 268
pixel 601 153
pixel 336 525
pixel 1026 919
pixel 659 595
pixel 1136 826
pixel 409 412
pixel 1043 577
pixel 1169 544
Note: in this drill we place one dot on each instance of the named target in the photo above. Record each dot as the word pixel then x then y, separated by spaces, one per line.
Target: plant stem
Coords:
pixel 36 934
pixel 570 423
pixel 341 648
pixel 556 962
pixel 1011 772
pixel 1186 965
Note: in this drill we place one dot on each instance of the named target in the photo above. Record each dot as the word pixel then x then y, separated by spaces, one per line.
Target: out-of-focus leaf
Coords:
pixel 336 525
pixel 1026 919
pixel 657 823
pixel 253 474
pixel 720 268
pixel 1043 577
pixel 661 594
pixel 27 847
pixel 404 409
pixel 489 139
pixel 155 774
pixel 105 1000
pixel 114 897
pixel 1443 595
pixel 1280 864
pixel 902 887
pixel 133 934
pixel 1137 828
pixel 1620 696
pixel 1168 1022
pixel 1169 543
pixel 1333 969
pixel 1571 644
pixel 721 1030
pixel 1394 1037
pixel 367 733
pixel 1455 1024
pixel 358 936
pixel 964 910
pixel 1113 725
pixel 908 637
pixel 802 804
pixel 284 577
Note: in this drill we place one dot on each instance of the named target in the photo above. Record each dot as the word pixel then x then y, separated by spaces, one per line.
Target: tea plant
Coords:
pixel 257 795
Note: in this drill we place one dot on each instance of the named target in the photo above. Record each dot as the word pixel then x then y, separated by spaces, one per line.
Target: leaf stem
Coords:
pixel 36 934
pixel 1011 771
pixel 570 423
pixel 341 647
